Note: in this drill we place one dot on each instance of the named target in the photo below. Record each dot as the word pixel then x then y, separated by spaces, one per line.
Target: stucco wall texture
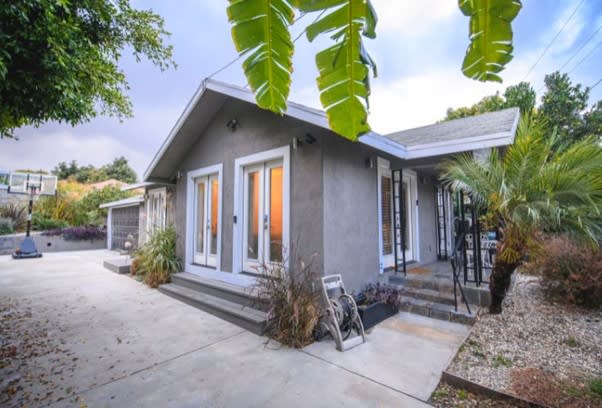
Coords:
pixel 333 213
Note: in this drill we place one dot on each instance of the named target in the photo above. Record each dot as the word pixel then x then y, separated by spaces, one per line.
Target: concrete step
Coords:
pixel 423 282
pixel 246 317
pixel 244 296
pixel 439 310
pixel 430 295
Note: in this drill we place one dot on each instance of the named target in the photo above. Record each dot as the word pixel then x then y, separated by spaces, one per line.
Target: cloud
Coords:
pixel 45 151
pixel 412 18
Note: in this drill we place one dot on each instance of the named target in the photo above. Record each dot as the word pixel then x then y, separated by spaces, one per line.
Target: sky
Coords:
pixel 418 50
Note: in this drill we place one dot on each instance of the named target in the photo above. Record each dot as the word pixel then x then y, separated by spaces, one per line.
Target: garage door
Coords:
pixel 124 221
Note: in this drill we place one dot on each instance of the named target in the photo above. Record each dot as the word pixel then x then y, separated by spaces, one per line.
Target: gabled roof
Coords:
pixel 482 131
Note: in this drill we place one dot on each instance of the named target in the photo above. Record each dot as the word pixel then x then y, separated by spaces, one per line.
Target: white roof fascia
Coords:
pixel 464 145
pixel 468 144
pixel 384 144
pixel 144 184
pixel 294 110
pixel 126 202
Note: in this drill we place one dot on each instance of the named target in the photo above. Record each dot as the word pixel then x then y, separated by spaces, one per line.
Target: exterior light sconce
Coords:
pixel 295 143
pixel 369 163
pixel 307 139
pixel 232 125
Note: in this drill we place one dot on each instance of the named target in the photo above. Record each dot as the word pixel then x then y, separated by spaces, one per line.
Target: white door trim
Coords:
pixel 282 153
pixel 190 216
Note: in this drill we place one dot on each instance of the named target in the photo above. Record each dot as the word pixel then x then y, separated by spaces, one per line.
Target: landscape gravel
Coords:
pixel 531 333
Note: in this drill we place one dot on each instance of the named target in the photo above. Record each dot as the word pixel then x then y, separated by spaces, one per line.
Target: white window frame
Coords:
pixel 280 153
pixel 191 177
pixel 161 191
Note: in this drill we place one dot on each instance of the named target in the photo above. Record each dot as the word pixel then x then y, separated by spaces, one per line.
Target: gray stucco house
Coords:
pixel 240 183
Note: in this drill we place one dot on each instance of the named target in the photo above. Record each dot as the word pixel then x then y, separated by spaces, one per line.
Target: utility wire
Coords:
pixel 589 54
pixel 591 37
pixel 553 39
pixel 244 53
pixel 596 84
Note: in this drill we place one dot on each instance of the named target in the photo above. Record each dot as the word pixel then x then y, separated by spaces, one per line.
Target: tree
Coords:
pixel 562 106
pixel 119 169
pixel 63 170
pixel 261 32
pixel 532 188
pixel 59 59
pixel 521 95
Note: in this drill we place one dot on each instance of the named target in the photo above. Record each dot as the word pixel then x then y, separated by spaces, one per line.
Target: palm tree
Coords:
pixel 530 189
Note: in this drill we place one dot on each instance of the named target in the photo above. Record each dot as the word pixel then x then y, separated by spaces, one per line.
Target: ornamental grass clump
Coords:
pixel 293 302
pixel 156 260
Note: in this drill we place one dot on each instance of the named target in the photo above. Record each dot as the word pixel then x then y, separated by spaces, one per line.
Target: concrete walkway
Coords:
pixel 128 345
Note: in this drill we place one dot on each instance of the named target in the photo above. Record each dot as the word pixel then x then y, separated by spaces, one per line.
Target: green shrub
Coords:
pixel 6 229
pixel 293 302
pixel 156 260
pixel 570 273
pixel 40 223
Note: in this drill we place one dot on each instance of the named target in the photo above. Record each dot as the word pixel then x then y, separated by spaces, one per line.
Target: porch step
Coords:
pixel 244 296
pixel 246 317
pixel 424 282
pixel 440 311
pixel 430 295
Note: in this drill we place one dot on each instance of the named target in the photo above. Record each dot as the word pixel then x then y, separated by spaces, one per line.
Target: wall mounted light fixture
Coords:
pixel 232 125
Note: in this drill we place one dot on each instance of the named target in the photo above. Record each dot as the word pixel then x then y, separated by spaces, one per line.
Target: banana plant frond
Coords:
pixel 260 28
pixel 490 36
pixel 344 67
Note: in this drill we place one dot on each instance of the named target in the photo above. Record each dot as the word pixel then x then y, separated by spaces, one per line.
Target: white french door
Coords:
pixel 263 221
pixel 388 189
pixel 206 220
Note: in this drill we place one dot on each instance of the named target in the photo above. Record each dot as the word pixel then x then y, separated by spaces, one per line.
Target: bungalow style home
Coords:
pixel 242 185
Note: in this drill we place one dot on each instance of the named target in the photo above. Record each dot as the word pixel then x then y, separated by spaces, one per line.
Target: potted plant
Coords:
pixel 377 302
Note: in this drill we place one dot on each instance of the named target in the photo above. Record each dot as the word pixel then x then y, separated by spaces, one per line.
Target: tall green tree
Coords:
pixel 532 188
pixel 521 95
pixel 59 59
pixel 261 32
pixel 119 169
pixel 563 105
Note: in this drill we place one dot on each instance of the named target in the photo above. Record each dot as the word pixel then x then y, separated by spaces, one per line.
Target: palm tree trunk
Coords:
pixel 499 283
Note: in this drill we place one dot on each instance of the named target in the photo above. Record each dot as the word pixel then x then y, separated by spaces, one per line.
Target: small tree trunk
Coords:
pixel 499 283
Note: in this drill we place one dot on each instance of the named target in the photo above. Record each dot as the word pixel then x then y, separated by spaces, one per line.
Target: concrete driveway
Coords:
pixel 113 342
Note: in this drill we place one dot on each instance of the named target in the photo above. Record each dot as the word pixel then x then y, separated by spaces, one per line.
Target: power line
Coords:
pixel 589 54
pixel 244 53
pixel 591 37
pixel 596 84
pixel 553 39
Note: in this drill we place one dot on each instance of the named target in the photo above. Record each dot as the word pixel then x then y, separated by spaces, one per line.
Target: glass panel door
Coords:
pixel 263 221
pixel 253 220
pixel 275 221
pixel 206 220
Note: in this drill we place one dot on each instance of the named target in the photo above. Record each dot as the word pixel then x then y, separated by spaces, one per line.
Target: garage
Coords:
pixel 123 222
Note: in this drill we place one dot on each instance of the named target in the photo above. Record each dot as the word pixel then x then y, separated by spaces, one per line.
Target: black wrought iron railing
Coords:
pixel 457 261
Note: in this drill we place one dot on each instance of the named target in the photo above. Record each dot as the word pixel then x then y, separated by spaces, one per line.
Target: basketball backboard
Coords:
pixel 22 183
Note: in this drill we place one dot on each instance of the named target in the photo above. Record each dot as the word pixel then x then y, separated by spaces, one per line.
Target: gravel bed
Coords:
pixel 535 334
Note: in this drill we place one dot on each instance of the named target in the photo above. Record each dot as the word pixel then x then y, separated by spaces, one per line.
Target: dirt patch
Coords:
pixel 545 388
pixel 32 357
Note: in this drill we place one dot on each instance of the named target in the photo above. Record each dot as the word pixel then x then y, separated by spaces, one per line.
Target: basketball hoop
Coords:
pixel 33 185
